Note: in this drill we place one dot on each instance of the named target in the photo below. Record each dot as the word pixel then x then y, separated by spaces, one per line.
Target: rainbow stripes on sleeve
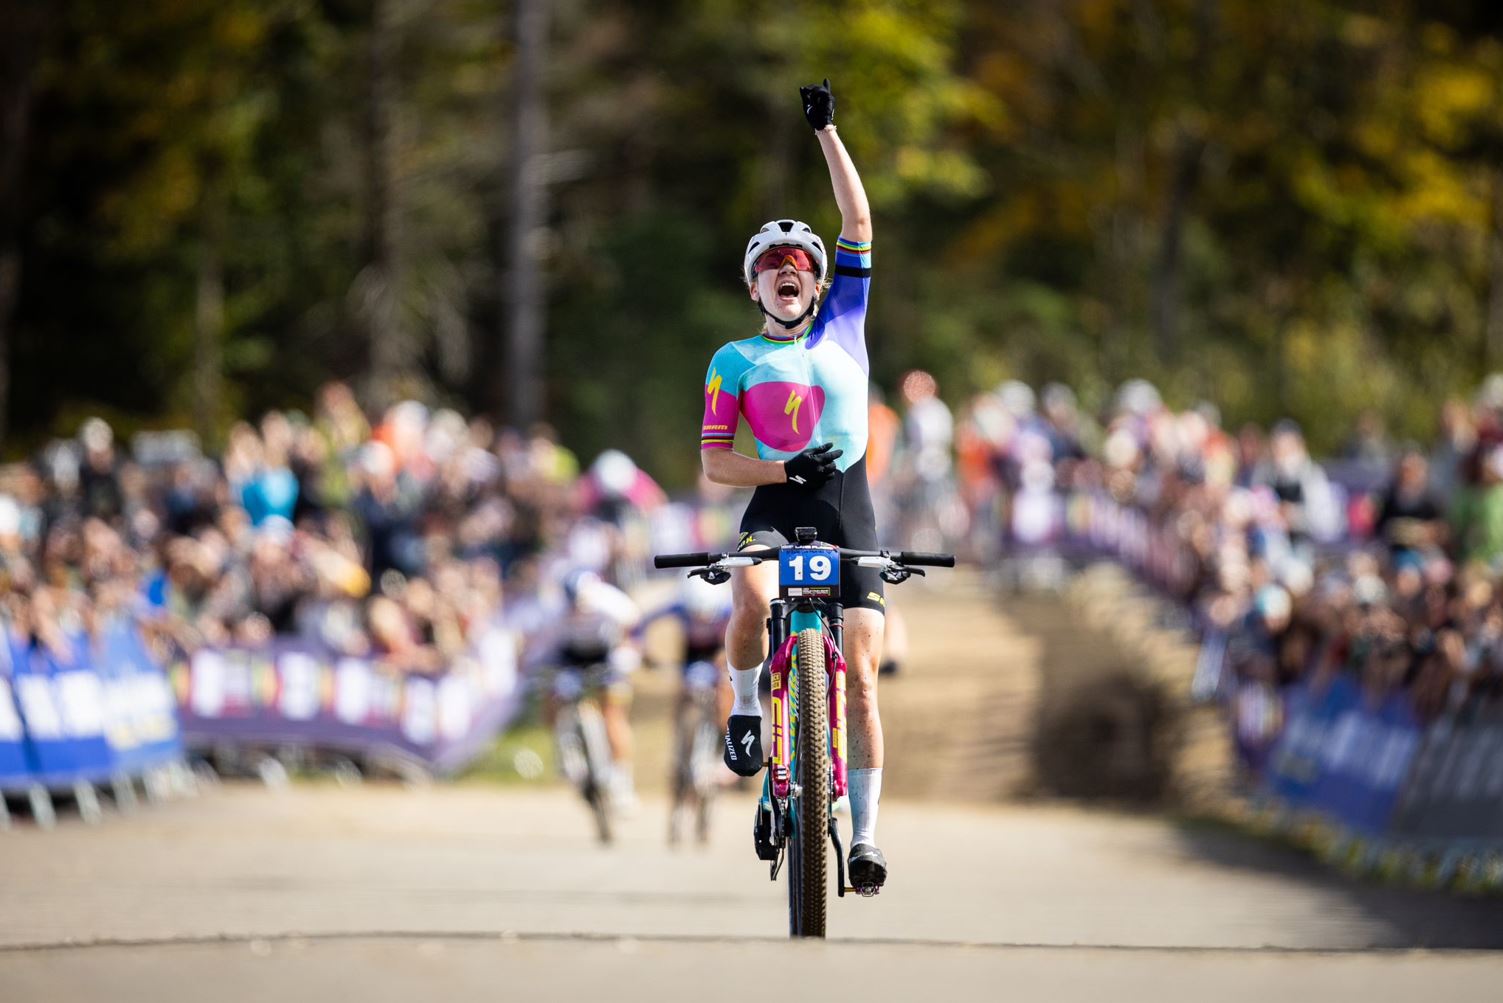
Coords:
pixel 852 258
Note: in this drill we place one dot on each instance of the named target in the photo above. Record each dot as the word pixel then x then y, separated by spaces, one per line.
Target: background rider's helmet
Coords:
pixel 614 473
pixel 577 585
pixel 785 233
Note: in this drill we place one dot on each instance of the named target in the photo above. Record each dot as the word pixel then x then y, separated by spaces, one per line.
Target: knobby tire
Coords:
pixel 597 778
pixel 806 878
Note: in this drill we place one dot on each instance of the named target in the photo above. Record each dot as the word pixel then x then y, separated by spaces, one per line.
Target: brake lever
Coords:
pixel 898 574
pixel 714 576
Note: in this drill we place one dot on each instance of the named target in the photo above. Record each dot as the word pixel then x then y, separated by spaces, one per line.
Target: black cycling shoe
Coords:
pixel 866 868
pixel 743 744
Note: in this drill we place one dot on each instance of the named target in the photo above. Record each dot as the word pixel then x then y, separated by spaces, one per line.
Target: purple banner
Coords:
pixel 296 693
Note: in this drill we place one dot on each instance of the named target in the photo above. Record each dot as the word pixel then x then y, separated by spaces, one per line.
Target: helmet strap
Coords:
pixel 795 322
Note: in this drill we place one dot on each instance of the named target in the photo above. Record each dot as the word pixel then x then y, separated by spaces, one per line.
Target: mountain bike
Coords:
pixel 807 768
pixel 584 750
pixel 696 756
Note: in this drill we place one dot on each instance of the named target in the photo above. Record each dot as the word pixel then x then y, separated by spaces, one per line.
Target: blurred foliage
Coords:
pixel 1281 206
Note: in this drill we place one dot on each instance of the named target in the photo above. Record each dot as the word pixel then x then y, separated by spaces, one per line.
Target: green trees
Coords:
pixel 1280 206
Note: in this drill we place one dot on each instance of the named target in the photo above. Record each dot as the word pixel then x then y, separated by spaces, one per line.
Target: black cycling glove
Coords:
pixel 813 466
pixel 819 104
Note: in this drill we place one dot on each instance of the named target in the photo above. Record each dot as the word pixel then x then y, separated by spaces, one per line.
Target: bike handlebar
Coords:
pixel 919 557
pixel 908 557
pixel 684 560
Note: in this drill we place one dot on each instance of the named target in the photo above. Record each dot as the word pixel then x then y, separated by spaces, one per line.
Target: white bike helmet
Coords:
pixel 784 233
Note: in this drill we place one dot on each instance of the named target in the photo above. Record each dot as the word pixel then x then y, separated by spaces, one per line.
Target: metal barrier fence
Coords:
pixel 1358 776
pixel 296 694
pixel 78 716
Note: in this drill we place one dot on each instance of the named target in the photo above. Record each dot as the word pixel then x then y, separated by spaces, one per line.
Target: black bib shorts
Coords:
pixel 841 513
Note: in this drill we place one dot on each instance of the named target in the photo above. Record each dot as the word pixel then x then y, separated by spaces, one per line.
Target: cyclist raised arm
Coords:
pixel 800 383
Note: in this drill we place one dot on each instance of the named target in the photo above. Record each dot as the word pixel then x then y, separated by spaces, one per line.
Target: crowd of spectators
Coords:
pixel 388 539
pixel 1383 562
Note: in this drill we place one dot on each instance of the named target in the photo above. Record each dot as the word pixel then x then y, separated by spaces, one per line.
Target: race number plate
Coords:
pixel 809 571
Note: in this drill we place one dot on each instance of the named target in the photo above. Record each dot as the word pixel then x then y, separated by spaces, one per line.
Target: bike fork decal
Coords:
pixel 838 729
pixel 781 709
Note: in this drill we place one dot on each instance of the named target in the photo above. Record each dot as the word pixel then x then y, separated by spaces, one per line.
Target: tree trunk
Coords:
pixel 1492 336
pixel 389 355
pixel 523 333
pixel 1166 274
pixel 208 323
pixel 1183 179
pixel 21 45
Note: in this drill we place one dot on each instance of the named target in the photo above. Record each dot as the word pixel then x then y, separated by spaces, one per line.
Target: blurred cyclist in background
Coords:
pixel 702 612
pixel 595 629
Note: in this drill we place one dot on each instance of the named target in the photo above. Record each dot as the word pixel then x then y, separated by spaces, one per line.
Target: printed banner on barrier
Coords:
pixel 293 692
pixel 1341 756
pixel 100 708
pixel 1457 788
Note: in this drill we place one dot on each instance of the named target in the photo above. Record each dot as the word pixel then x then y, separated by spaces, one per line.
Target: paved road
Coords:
pixel 379 890
pixel 458 892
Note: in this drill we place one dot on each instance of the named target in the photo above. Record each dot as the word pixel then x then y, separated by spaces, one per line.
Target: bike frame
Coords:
pixel 803 605
pixel 784 626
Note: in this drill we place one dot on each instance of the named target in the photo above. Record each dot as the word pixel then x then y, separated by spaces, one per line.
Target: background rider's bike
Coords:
pixel 697 769
pixel 584 751
pixel 807 771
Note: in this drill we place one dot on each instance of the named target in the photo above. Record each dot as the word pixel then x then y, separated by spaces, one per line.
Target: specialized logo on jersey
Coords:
pixel 713 389
pixel 794 403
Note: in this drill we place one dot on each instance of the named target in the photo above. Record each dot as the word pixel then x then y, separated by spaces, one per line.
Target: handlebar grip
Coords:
pixel 682 560
pixel 913 557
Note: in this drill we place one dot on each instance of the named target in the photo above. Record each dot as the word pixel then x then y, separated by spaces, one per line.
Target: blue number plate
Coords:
pixel 808 567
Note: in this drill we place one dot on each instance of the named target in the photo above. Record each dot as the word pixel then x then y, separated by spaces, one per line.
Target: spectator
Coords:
pixel 1409 517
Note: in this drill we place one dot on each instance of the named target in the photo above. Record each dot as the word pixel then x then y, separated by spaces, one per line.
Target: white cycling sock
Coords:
pixel 744 684
pixel 865 788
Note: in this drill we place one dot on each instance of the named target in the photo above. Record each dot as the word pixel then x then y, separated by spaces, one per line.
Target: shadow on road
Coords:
pixel 1415 917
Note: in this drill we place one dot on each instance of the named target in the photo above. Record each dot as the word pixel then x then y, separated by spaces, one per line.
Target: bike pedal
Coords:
pixel 866 891
pixel 762 833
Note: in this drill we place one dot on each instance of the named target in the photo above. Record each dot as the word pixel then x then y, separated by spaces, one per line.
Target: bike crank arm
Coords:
pixel 840 888
pixel 780 839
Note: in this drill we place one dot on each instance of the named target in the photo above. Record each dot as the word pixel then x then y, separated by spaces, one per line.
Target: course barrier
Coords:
pixel 1357 776
pixel 82 713
pixel 296 694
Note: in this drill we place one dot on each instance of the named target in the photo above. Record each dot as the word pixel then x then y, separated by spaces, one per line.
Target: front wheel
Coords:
pixel 595 784
pixel 806 876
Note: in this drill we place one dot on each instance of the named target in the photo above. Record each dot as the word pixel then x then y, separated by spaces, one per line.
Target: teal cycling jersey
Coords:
pixel 810 388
